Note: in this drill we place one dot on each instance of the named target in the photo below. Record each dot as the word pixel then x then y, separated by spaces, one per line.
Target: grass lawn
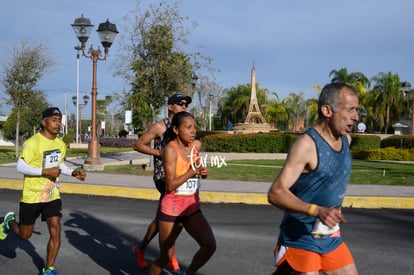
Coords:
pixel 7 154
pixel 363 172
pixel 382 173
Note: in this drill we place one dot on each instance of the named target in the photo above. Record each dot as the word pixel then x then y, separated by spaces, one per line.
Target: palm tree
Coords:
pixel 387 100
pixel 236 103
pixel 276 114
pixel 101 106
pixel 296 109
pixel 355 78
pixel 311 112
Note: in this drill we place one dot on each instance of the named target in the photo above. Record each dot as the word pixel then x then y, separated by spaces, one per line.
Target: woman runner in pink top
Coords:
pixel 180 207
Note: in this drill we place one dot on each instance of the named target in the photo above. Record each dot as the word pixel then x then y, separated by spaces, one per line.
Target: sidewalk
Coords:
pixel 213 191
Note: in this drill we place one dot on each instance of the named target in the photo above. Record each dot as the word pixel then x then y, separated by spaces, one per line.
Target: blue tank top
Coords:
pixel 325 186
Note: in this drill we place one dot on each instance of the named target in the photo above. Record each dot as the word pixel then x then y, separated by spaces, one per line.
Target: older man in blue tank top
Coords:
pixel 311 187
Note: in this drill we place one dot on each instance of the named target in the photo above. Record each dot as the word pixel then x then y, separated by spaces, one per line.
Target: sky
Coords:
pixel 293 44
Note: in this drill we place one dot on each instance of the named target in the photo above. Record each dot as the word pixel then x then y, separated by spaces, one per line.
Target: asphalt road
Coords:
pixel 98 233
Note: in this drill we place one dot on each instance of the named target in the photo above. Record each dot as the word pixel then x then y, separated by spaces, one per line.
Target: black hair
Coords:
pixel 177 120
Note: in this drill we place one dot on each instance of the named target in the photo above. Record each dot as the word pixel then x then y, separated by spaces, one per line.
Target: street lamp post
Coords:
pixel 78 48
pixel 107 32
pixel 210 97
pixel 79 107
pixel 194 80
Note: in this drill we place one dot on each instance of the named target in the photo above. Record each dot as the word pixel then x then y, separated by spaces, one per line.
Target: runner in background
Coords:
pixel 180 206
pixel 176 103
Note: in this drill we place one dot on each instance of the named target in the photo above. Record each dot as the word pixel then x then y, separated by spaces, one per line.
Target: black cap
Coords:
pixel 54 111
pixel 178 97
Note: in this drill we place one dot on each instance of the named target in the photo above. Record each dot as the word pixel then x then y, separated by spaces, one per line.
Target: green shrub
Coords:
pixel 398 141
pixel 365 147
pixel 389 153
pixel 68 138
pixel 123 133
pixel 365 142
pixel 247 143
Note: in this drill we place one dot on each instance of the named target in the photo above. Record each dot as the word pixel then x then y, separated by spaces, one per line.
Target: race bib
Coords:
pixel 51 158
pixel 189 187
pixel 321 231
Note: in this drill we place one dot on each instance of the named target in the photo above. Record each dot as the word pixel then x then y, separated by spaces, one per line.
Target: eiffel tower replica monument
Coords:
pixel 255 121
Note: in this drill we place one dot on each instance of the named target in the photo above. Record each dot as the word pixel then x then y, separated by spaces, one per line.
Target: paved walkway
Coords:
pixel 214 191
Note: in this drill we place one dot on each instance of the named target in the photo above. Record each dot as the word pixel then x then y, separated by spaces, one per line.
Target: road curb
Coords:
pixel 213 197
pixel 378 202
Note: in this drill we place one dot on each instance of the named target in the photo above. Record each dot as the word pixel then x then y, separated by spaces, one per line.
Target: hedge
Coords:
pixel 273 142
pixel 389 153
pixel 366 147
pixel 365 142
pixel 249 143
pixel 398 141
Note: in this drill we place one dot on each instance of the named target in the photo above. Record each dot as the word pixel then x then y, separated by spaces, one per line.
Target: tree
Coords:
pixel 28 64
pixel 386 99
pixel 153 62
pixel 207 95
pixel 235 104
pixel 311 112
pixel 296 109
pixel 276 114
pixel 101 111
pixel 29 117
pixel 343 76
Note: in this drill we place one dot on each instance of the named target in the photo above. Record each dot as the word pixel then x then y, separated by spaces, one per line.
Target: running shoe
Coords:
pixel 173 264
pixel 4 226
pixel 49 271
pixel 140 255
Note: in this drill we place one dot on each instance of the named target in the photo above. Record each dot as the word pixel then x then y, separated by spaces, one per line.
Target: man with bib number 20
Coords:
pixel 41 162
pixel 180 206
pixel 311 187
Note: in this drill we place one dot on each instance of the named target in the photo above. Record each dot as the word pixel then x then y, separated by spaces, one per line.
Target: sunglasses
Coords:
pixel 181 103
